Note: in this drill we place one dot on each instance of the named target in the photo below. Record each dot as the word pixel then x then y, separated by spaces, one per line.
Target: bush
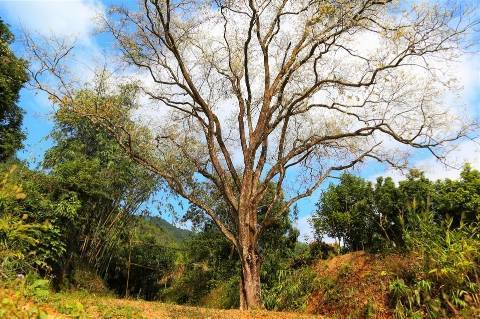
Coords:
pixel 73 309
pixel 15 306
pixel 224 296
pixel 88 280
pixel 36 288
pixel 25 245
pixel 291 290
pixel 447 282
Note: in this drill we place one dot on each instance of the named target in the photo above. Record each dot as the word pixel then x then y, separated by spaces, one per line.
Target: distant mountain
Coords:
pixel 163 231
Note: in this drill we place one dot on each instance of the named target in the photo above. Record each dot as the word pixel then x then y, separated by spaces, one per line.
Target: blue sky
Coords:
pixel 74 19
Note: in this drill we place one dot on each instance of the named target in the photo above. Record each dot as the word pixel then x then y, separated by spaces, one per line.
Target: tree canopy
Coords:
pixel 373 217
pixel 13 75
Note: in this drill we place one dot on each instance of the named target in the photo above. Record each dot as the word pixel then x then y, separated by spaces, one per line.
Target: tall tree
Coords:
pixel 459 199
pixel 246 93
pixel 389 210
pixel 86 163
pixel 211 258
pixel 345 212
pixel 13 75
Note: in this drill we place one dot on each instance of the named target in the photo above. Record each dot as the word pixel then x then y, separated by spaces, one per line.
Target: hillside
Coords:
pixel 356 285
pixel 163 231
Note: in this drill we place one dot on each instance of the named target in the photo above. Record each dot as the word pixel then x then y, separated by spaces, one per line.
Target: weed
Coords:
pixel 36 288
pixel 345 270
pixel 291 291
pixel 446 283
pixel 72 308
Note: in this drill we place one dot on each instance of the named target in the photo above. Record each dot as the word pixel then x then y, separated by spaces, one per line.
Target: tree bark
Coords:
pixel 250 289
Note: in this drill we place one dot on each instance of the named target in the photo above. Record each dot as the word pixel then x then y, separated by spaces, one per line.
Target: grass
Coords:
pixel 80 305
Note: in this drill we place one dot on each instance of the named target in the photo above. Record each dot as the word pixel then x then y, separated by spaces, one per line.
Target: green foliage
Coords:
pixel 86 279
pixel 306 254
pixel 210 260
pixel 345 270
pixel 13 76
pixel 459 199
pixel 370 310
pixel 25 244
pixel 73 309
pixel 165 232
pixel 388 205
pixel 362 216
pixel 345 212
pixel 77 211
pixel 15 306
pixel 97 189
pixel 146 259
pixel 446 283
pixel 290 290
pixel 36 288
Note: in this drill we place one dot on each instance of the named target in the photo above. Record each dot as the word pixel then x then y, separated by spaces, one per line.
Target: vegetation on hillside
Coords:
pixel 79 237
pixel 434 225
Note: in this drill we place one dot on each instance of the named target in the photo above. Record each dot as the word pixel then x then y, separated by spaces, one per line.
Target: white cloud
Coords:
pixel 307 232
pixel 305 228
pixel 469 74
pixel 62 18
pixel 465 152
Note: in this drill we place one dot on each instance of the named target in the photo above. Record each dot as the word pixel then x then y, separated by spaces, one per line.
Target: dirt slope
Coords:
pixel 356 285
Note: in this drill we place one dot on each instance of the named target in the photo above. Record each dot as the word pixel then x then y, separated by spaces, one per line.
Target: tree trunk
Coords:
pixel 250 289
pixel 247 245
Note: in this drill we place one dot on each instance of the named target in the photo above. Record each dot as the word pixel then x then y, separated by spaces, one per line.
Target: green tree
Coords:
pixel 388 209
pixel 416 192
pixel 110 187
pixel 13 76
pixel 345 213
pixel 144 263
pixel 459 199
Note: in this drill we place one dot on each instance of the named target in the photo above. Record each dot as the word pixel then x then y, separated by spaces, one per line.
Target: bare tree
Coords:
pixel 256 92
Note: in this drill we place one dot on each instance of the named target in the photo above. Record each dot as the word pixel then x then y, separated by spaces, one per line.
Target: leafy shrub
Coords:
pixel 447 282
pixel 345 270
pixel 88 280
pixel 24 244
pixel 224 296
pixel 73 309
pixel 291 290
pixel 36 288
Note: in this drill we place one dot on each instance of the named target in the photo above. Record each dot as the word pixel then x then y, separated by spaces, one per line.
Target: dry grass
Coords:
pixel 354 285
pixel 86 305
